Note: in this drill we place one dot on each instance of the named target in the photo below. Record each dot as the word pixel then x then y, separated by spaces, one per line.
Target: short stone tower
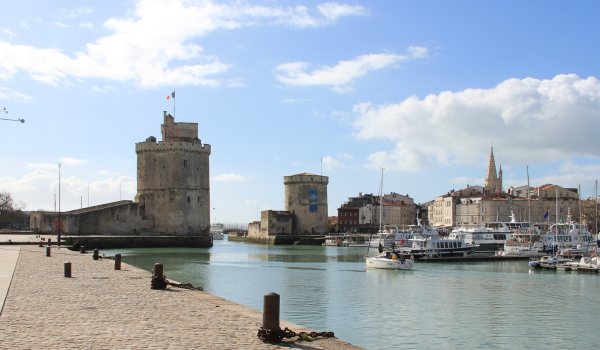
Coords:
pixel 306 198
pixel 173 179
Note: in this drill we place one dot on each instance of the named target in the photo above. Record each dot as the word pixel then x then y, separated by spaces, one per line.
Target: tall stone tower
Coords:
pixel 306 197
pixel 173 179
pixel 493 182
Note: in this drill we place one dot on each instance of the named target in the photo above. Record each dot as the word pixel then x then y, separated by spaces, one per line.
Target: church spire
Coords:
pixel 493 181
pixel 491 173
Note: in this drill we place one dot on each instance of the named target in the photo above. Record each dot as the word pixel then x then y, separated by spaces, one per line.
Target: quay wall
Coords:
pixel 114 242
pixel 281 239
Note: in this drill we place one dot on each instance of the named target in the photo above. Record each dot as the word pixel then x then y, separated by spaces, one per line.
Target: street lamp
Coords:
pixel 11 120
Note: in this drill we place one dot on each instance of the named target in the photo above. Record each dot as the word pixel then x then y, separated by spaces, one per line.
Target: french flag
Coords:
pixel 171 96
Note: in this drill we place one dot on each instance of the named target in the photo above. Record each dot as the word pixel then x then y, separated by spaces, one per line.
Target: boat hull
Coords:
pixel 390 264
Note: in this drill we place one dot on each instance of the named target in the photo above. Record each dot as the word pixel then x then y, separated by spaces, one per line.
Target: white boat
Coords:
pixel 434 246
pixel 524 242
pixel 390 261
pixel 216 231
pixel 585 264
pixel 569 236
pixel 490 237
pixel 548 262
pixel 393 236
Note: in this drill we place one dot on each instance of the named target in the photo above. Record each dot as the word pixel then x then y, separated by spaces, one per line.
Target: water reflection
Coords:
pixel 436 305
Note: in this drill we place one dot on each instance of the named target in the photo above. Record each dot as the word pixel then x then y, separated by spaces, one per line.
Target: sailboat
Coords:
pixel 390 260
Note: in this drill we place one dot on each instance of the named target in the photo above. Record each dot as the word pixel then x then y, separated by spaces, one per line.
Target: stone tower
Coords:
pixel 173 179
pixel 306 198
pixel 493 182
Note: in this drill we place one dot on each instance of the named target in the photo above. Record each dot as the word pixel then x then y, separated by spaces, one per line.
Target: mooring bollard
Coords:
pixel 117 261
pixel 49 241
pixel 158 278
pixel 48 251
pixel 67 269
pixel 82 250
pixel 271 311
pixel 95 254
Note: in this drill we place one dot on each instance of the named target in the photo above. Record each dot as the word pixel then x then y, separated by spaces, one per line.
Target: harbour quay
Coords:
pixel 99 307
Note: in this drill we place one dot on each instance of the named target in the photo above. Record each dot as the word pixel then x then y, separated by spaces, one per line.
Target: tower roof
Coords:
pixel 491 173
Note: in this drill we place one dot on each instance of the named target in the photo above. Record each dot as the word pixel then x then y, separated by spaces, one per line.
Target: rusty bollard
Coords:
pixel 95 254
pixel 49 241
pixel 158 278
pixel 48 251
pixel 117 261
pixel 271 311
pixel 41 244
pixel 67 269
pixel 82 250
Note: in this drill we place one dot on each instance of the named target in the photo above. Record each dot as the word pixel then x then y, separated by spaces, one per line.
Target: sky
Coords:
pixel 422 89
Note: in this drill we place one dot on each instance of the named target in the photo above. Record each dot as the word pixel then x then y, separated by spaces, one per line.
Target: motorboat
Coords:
pixel 216 231
pixel 524 242
pixel 345 240
pixel 569 235
pixel 548 262
pixel 437 247
pixel 391 261
pixel 392 236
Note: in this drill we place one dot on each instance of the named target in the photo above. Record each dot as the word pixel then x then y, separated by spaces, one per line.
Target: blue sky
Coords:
pixel 421 88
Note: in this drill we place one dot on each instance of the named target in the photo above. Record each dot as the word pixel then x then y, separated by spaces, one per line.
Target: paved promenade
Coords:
pixel 100 308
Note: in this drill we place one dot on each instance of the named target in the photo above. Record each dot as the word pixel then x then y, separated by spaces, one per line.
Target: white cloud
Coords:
pixel 37 190
pixel 15 96
pixel 72 161
pixel 418 51
pixel 87 25
pixel 295 100
pixel 10 34
pixel 339 76
pixel 346 156
pixel 532 120
pixel 228 178
pixel 332 164
pixel 42 166
pixel 60 24
pixel 24 25
pixel 145 46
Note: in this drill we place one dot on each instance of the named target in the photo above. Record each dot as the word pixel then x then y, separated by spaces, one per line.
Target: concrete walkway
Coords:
pixel 101 308
pixel 8 261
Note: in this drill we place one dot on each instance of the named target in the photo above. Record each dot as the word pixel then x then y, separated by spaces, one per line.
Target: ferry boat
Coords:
pixel 435 247
pixel 216 231
pixel 490 237
pixel 569 236
pixel 393 236
pixel 524 242
pixel 345 240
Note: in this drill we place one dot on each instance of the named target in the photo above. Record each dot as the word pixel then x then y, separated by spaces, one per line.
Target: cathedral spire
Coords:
pixel 493 181
pixel 491 173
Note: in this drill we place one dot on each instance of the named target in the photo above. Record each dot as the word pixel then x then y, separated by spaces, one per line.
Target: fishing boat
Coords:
pixel 391 261
pixel 548 262
pixel 434 246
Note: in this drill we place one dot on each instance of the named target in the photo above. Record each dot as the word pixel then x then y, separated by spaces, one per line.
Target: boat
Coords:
pixel 548 262
pixel 434 246
pixel 591 264
pixel 524 242
pixel 216 231
pixel 391 261
pixel 345 240
pixel 491 236
pixel 569 236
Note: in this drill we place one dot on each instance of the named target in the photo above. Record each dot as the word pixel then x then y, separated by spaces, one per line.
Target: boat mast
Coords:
pixel 556 210
pixel 528 196
pixel 380 198
pixel 596 210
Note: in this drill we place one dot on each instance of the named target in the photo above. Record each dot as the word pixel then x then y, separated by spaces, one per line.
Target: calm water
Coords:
pixel 446 305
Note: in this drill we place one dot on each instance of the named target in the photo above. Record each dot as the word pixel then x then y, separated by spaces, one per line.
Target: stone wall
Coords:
pixel 297 189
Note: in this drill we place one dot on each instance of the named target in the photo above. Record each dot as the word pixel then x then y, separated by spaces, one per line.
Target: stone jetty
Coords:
pixel 103 308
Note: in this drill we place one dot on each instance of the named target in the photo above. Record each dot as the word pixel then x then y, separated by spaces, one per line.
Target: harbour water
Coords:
pixel 497 305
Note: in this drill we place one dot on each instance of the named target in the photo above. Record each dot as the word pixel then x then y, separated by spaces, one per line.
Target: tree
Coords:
pixel 10 211
pixel 588 213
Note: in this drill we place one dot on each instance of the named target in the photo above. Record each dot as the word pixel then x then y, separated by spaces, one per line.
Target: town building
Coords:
pixel 362 213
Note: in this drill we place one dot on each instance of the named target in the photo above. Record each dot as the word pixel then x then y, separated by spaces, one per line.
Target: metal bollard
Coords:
pixel 67 269
pixel 271 311
pixel 82 250
pixel 49 241
pixel 117 261
pixel 41 244
pixel 95 254
pixel 158 278
pixel 48 251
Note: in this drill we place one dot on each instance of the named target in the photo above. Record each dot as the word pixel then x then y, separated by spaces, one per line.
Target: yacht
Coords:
pixel 570 237
pixel 393 236
pixel 524 242
pixel 216 231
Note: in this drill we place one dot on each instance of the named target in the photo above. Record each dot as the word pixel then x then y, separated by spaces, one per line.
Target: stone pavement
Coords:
pixel 101 308
pixel 8 261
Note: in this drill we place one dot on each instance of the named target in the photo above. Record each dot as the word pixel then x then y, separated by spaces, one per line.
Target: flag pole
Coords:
pixel 173 103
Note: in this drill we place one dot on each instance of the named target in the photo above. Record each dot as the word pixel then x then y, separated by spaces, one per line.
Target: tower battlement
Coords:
pixel 305 178
pixel 179 146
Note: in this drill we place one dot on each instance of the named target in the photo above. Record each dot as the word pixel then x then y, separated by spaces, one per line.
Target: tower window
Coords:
pixel 154 160
pixel 198 199
pixel 188 199
pixel 185 163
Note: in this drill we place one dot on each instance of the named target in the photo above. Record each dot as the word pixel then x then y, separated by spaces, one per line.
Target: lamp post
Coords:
pixel 11 120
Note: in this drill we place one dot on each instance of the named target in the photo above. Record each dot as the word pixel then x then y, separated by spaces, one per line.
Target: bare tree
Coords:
pixel 10 211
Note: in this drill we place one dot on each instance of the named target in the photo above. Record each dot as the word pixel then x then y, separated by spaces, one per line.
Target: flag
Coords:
pixel 561 219
pixel 171 96
pixel 547 213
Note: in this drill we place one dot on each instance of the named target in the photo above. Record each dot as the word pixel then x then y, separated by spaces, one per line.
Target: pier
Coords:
pixel 99 307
